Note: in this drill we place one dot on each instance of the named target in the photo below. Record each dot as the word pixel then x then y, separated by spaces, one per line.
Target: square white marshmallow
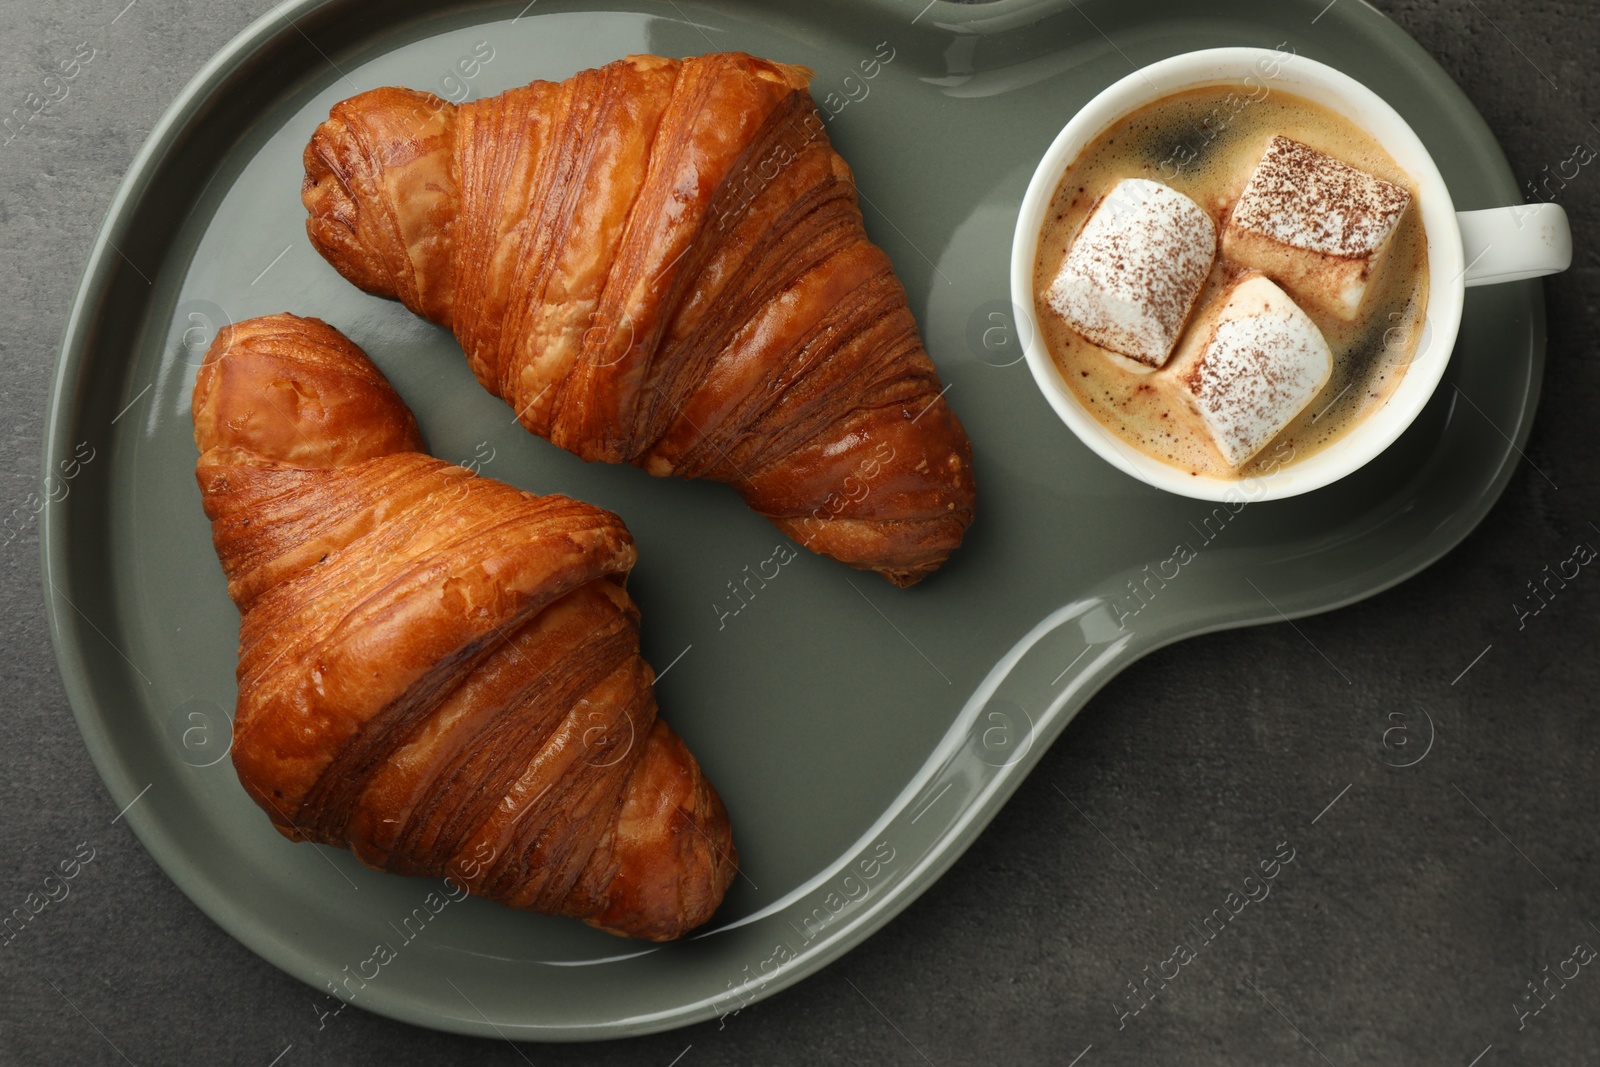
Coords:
pixel 1317 226
pixel 1132 275
pixel 1251 364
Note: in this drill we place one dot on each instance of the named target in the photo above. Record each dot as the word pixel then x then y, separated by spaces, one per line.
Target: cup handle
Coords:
pixel 1507 244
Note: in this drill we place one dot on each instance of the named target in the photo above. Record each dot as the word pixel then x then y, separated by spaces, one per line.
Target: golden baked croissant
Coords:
pixel 661 262
pixel 436 670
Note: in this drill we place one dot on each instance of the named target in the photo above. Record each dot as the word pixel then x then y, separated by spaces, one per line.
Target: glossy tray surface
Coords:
pixel 860 735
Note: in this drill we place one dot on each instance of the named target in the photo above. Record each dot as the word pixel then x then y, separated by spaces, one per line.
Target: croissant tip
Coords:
pixel 906 577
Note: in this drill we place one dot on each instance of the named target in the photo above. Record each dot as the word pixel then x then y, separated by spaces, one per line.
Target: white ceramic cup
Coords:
pixel 1464 248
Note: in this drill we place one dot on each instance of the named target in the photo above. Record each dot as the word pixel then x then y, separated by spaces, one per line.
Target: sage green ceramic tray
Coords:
pixel 861 735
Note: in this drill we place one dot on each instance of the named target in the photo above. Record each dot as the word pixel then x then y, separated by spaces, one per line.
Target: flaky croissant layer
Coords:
pixel 661 262
pixel 438 671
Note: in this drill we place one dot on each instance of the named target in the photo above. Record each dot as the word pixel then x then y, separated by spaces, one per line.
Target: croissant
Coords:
pixel 438 671
pixel 661 262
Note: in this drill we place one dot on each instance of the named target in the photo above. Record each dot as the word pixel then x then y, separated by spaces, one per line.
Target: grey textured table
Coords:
pixel 1407 929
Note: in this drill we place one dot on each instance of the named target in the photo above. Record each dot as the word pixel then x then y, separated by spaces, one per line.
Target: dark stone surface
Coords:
pixel 1404 930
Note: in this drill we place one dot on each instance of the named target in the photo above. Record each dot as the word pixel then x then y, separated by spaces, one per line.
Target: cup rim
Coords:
pixel 1343 94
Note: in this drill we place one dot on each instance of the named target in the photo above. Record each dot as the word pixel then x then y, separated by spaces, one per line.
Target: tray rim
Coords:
pixel 73 657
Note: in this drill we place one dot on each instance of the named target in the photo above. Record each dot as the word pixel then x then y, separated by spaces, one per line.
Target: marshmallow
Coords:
pixel 1135 269
pixel 1251 364
pixel 1317 226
